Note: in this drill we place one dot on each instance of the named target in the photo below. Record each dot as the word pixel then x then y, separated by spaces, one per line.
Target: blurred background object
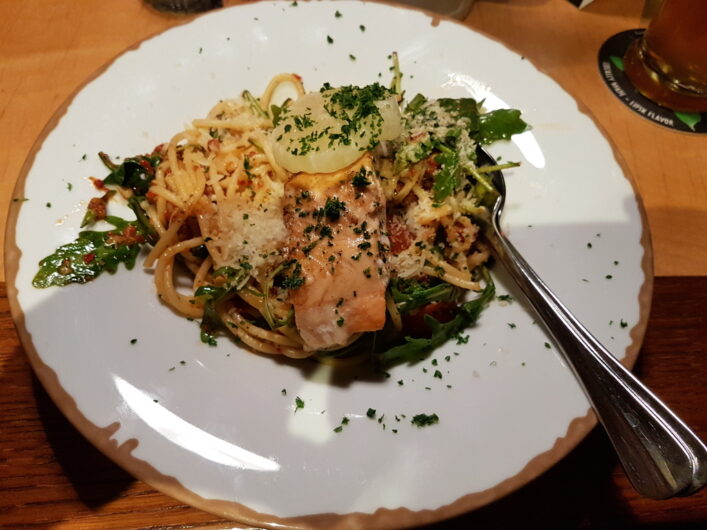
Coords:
pixel 184 6
pixel 452 8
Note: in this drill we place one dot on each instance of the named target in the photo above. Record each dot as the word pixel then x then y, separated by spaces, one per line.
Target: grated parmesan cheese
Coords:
pixel 242 231
pixel 435 122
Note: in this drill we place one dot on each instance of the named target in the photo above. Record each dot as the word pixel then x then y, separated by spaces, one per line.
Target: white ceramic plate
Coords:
pixel 211 425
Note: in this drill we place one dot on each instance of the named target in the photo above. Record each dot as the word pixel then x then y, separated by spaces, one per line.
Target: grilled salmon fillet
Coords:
pixel 335 232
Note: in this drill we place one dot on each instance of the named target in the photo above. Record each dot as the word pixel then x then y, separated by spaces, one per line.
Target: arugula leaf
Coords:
pixel 500 124
pixel 462 108
pixel 415 105
pixel 411 294
pixel 413 350
pixel 135 173
pixel 214 294
pixel 254 104
pixel 96 210
pixel 87 257
pixel 448 175
pixel 142 221
pixel 210 323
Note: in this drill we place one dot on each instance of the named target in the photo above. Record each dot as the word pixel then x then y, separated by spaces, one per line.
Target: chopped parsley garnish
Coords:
pixel 307 249
pixel 338 14
pixel 362 27
pixel 133 341
pixel 344 421
pixel 461 339
pixel 360 179
pixel 371 413
pixel 340 321
pixel 294 280
pixel 424 420
pixel 352 57
pixel 299 404
pixel 623 323
pixel 334 208
pixel 329 39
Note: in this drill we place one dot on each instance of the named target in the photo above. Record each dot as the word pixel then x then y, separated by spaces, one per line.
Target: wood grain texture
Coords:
pixel 48 49
pixel 51 477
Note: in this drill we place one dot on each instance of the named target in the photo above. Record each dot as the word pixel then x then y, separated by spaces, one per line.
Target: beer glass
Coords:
pixel 669 63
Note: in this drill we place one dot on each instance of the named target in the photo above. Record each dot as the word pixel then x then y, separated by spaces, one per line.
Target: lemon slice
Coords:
pixel 325 131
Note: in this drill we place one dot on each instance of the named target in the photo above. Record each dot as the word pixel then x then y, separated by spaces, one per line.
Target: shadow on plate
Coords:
pixel 95 478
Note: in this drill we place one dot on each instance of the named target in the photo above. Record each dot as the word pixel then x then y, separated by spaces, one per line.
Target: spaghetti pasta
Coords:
pixel 300 263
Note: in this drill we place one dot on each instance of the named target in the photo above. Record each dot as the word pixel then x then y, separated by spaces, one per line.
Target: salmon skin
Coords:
pixel 335 232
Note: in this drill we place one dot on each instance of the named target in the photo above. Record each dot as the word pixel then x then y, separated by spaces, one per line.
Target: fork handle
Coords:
pixel 661 455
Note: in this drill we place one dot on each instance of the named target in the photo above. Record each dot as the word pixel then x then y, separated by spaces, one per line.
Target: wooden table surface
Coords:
pixel 51 477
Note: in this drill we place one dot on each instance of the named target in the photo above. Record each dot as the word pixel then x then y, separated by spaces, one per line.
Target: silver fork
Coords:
pixel 661 455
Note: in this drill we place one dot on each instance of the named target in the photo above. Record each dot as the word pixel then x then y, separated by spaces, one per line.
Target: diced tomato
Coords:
pixel 98 184
pixel 432 165
pixel 129 236
pixel 214 145
pixel 398 233
pixel 98 206
pixel 414 323
pixel 151 197
pixel 149 167
pixel 88 258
